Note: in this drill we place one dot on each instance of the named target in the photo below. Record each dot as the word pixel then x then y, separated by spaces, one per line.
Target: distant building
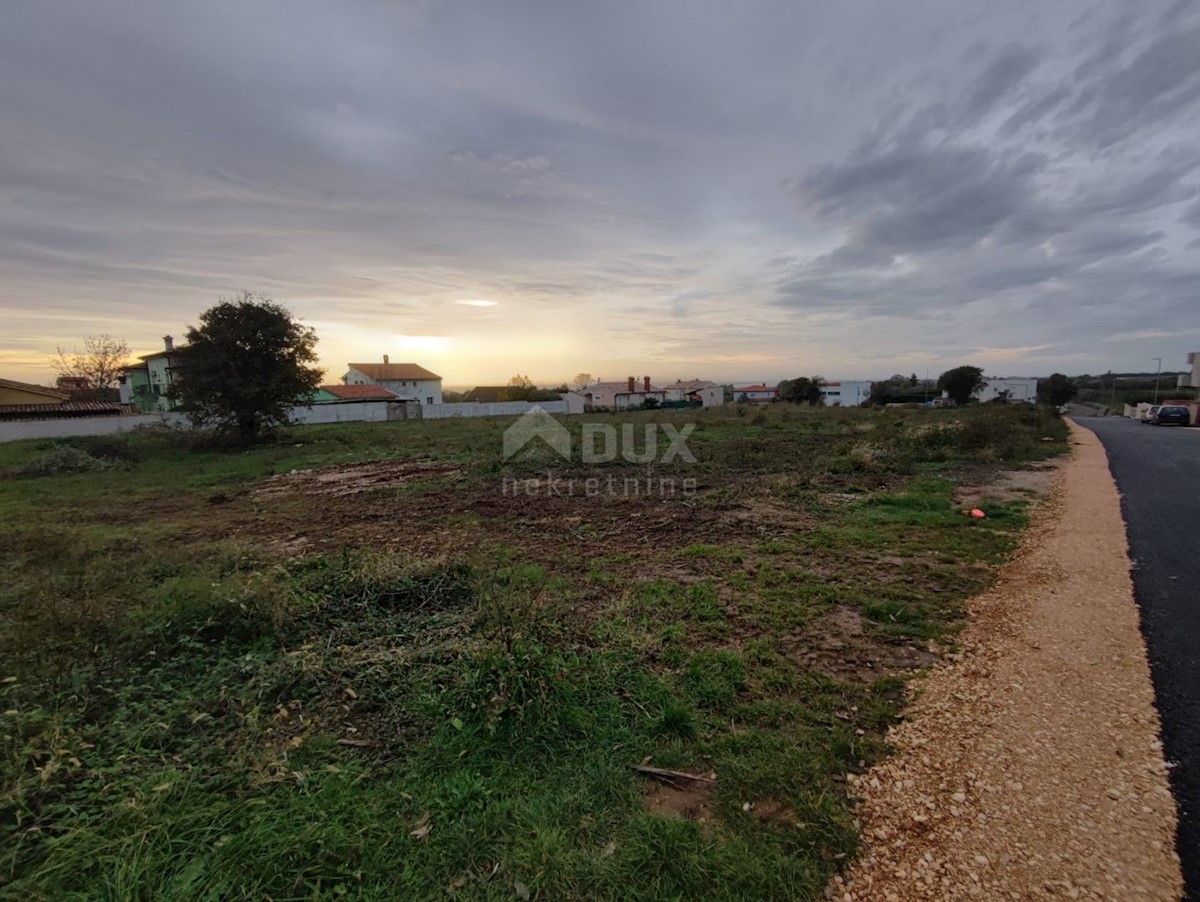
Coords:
pixel 845 394
pixel 755 394
pixel 1010 388
pixel 701 391
pixel 623 395
pixel 487 394
pixel 1192 379
pixel 145 384
pixel 24 393
pixel 22 401
pixel 329 394
pixel 407 381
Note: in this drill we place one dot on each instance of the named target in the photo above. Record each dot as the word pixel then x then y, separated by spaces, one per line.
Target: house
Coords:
pixel 335 394
pixel 407 381
pixel 755 394
pixel 487 394
pixel 1010 388
pixel 1190 379
pixel 145 384
pixel 850 393
pixel 701 391
pixel 24 393
pixel 623 395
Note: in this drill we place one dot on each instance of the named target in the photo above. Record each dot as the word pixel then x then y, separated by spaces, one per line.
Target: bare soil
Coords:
pixel 1031 765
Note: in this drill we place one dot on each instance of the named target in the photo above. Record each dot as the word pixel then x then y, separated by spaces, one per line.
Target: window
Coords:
pixel 429 400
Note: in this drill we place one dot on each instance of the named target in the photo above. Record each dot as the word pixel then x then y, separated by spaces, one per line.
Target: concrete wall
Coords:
pixel 16 430
pixel 495 409
pixel 350 412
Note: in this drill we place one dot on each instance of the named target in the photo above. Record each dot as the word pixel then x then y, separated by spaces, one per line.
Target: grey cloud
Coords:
pixel 945 161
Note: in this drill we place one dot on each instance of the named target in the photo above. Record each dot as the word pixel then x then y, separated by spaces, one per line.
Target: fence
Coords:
pixel 347 412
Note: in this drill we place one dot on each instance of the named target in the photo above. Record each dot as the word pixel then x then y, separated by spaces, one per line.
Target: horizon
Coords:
pixel 687 188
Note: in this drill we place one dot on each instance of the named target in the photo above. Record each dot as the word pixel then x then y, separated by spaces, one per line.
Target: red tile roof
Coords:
pixel 360 392
pixel 393 372
pixel 68 409
pixel 745 388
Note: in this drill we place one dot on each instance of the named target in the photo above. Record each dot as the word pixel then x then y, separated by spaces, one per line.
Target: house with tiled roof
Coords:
pixel 407 381
pixel 755 394
pixel 25 393
pixel 623 395
pixel 696 391
pixel 336 393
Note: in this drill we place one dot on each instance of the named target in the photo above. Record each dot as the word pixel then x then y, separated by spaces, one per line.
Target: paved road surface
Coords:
pixel 1157 470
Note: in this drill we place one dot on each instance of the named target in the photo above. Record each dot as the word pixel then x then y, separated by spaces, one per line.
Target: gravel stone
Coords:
pixel 1043 726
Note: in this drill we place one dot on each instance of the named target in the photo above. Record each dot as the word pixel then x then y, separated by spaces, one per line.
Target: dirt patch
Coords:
pixel 843 644
pixel 774 812
pixel 1004 486
pixel 351 479
pixel 692 800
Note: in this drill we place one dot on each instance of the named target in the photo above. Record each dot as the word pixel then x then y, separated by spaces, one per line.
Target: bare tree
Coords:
pixel 582 381
pixel 519 388
pixel 97 366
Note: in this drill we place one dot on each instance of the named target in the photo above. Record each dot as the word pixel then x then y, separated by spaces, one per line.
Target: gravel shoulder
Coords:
pixel 1031 765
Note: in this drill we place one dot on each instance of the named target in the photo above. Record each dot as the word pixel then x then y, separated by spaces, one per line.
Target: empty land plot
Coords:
pixel 360 660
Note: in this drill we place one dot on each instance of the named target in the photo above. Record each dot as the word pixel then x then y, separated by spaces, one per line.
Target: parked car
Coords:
pixel 1149 417
pixel 1172 416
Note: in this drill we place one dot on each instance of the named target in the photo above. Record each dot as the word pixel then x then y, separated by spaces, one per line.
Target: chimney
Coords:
pixel 632 380
pixel 169 342
pixel 647 384
pixel 385 359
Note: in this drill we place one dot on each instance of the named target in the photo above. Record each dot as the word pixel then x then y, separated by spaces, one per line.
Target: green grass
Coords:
pixel 190 712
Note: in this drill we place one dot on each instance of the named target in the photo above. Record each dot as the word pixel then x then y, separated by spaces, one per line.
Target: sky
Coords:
pixel 735 191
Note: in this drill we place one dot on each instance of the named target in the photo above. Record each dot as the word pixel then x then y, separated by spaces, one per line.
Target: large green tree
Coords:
pixel 802 390
pixel 1056 390
pixel 961 383
pixel 245 367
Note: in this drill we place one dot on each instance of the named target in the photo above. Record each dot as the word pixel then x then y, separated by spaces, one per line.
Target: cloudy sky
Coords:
pixel 745 190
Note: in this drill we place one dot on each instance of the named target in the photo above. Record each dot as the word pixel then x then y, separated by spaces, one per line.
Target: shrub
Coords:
pixel 113 448
pixel 64 459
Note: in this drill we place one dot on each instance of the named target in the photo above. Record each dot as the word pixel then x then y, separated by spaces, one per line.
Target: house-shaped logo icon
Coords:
pixel 537 423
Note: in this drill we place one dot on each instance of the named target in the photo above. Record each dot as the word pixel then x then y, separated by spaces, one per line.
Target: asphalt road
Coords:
pixel 1157 469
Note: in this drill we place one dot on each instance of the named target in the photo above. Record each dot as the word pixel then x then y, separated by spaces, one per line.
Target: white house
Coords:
pixel 846 393
pixel 407 381
pixel 709 394
pixel 755 394
pixel 1190 379
pixel 1012 388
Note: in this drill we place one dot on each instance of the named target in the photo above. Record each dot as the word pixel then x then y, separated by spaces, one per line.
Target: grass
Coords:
pixel 444 690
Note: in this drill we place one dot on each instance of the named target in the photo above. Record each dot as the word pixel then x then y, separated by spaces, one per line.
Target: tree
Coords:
pixel 802 390
pixel 519 388
pixel 1057 390
pixel 961 383
pixel 245 367
pixel 582 381
pixel 97 366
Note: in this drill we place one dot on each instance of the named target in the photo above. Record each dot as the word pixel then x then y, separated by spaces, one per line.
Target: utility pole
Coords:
pixel 1157 373
pixel 926 385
